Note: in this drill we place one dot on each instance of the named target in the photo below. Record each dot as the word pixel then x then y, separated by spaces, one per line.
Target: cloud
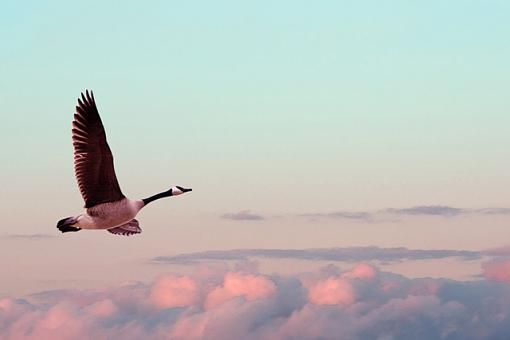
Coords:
pixel 332 291
pixel 348 254
pixel 432 210
pixel 358 303
pixel 493 211
pixel 251 287
pixel 349 215
pixel 174 291
pixel 339 289
pixel 32 237
pixel 384 215
pixel 499 251
pixel 421 210
pixel 244 215
pixel 497 270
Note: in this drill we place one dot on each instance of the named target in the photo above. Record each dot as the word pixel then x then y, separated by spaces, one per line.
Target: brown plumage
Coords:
pixel 93 159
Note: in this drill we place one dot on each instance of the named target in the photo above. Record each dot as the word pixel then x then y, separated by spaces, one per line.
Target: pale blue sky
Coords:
pixel 281 107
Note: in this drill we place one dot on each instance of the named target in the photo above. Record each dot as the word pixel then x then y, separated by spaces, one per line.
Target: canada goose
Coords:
pixel 105 205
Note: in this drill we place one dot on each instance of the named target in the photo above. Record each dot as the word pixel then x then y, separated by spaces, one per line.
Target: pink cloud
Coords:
pixel 251 287
pixel 497 270
pixel 360 303
pixel 339 290
pixel 190 327
pixel 103 308
pixel 174 291
pixel 361 271
pixel 332 291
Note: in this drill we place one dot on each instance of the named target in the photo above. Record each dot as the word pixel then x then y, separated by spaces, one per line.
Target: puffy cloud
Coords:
pixel 332 291
pixel 411 317
pixel 331 303
pixel 361 271
pixel 340 289
pixel 251 287
pixel 174 291
pixel 498 270
pixel 102 308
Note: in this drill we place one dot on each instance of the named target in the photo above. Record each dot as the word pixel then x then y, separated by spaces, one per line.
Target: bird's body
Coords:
pixel 110 214
pixel 105 204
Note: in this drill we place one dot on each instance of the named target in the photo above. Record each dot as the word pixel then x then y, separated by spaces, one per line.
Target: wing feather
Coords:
pixel 130 228
pixel 93 159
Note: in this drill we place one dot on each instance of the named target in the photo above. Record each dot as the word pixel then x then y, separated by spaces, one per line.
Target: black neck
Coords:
pixel 157 196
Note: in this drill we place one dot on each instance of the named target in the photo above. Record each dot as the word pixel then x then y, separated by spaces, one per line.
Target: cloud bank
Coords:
pixel 358 303
pixel 347 254
pixel 385 215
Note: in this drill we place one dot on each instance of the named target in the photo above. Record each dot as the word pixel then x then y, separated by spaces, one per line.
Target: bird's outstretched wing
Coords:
pixel 93 160
pixel 127 229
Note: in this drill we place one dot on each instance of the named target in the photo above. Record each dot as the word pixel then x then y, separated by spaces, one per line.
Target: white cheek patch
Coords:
pixel 176 191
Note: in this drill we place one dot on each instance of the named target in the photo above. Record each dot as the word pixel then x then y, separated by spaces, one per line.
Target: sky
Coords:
pixel 338 135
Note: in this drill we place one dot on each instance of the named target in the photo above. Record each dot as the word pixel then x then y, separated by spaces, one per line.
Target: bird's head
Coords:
pixel 177 190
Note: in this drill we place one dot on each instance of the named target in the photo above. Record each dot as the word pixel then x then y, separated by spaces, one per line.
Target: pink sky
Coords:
pixel 349 164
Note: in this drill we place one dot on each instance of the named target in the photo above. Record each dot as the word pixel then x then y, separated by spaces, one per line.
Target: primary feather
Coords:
pixel 93 159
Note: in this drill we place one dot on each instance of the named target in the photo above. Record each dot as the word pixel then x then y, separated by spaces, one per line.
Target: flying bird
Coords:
pixel 106 207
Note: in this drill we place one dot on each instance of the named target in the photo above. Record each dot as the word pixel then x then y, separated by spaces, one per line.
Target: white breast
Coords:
pixel 109 215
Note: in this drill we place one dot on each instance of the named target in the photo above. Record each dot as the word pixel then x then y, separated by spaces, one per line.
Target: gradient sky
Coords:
pixel 275 108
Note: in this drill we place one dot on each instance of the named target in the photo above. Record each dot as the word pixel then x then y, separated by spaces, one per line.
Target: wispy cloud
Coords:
pixel 349 215
pixel 434 210
pixel 493 211
pixel 375 216
pixel 244 215
pixel 349 254
pixel 421 210
pixel 358 303
pixel 499 251
pixel 32 237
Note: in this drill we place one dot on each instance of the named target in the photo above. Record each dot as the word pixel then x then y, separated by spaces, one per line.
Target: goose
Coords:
pixel 106 207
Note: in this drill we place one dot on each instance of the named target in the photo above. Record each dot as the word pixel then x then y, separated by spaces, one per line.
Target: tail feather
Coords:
pixel 66 225
pixel 67 228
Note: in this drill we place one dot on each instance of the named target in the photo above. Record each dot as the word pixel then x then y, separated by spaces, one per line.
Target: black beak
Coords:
pixel 184 189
